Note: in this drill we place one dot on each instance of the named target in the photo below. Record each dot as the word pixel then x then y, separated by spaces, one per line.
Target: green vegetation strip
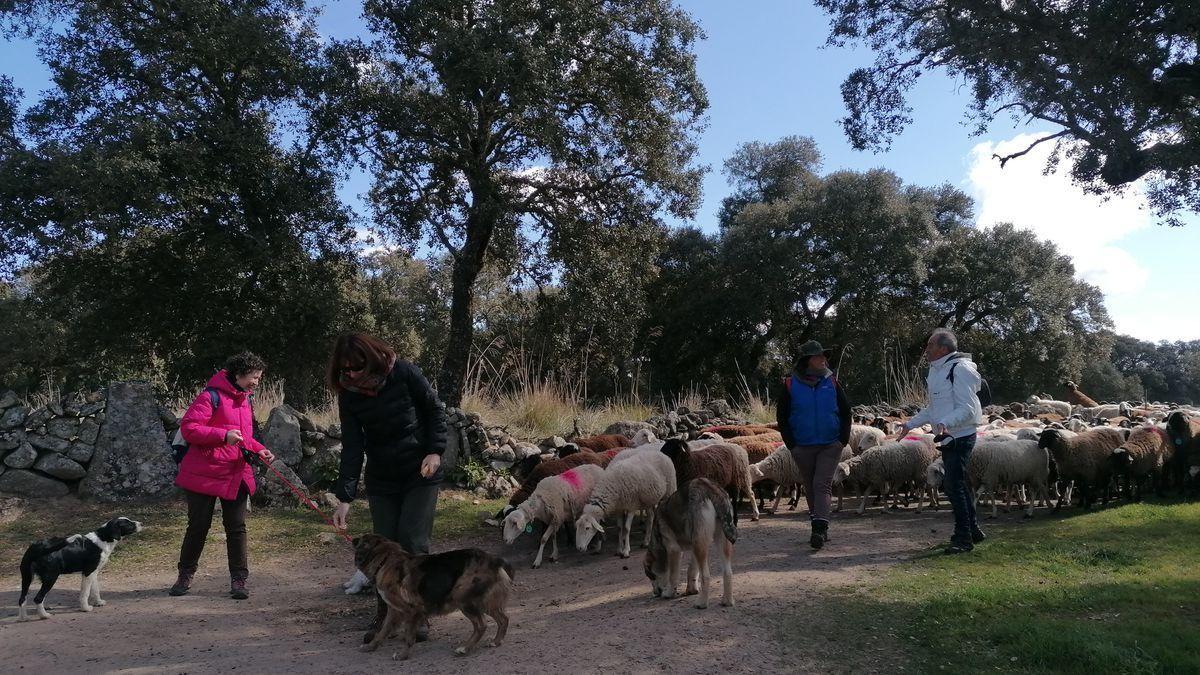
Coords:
pixel 1116 591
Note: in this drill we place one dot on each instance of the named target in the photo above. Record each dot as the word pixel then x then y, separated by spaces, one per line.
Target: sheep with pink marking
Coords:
pixel 556 500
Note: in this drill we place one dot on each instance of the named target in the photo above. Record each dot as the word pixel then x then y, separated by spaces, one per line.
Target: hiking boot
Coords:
pixel 820 534
pixel 977 535
pixel 183 583
pixel 237 588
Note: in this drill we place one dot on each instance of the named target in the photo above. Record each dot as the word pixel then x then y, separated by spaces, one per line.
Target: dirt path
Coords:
pixel 583 614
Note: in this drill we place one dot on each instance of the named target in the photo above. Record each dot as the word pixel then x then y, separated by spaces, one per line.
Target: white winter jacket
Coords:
pixel 955 405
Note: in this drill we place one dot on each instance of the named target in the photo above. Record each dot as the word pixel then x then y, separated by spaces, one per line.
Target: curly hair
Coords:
pixel 244 363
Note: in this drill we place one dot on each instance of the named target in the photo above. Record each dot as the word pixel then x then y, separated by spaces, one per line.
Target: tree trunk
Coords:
pixel 451 379
pixel 468 263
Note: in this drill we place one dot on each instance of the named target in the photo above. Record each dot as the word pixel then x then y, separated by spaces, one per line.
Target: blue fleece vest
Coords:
pixel 814 416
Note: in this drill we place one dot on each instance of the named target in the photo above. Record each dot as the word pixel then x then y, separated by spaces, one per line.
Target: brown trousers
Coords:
pixel 200 515
pixel 817 463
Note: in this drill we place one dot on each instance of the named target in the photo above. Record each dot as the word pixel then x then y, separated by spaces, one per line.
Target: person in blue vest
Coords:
pixel 814 420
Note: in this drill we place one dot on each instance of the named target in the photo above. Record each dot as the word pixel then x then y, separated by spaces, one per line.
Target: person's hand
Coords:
pixel 942 430
pixel 267 455
pixel 339 515
pixel 430 465
pixel 233 437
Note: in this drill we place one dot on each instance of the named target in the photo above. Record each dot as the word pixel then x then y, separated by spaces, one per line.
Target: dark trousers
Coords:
pixel 200 515
pixel 817 463
pixel 955 457
pixel 406 518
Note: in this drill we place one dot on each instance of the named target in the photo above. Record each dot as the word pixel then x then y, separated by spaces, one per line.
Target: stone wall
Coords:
pixel 114 445
pixel 47 451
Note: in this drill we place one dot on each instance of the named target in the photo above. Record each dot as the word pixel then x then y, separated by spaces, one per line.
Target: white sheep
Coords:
pixel 1029 433
pixel 889 467
pixel 643 436
pixel 556 500
pixel 863 437
pixel 1012 463
pixel 1042 406
pixel 625 488
pixel 780 467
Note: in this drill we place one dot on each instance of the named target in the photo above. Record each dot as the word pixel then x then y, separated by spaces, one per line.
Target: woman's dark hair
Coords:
pixel 244 364
pixel 358 349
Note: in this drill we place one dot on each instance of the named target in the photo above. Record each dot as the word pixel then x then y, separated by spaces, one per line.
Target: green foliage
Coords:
pixel 469 473
pixel 1123 112
pixel 512 132
pixel 1114 591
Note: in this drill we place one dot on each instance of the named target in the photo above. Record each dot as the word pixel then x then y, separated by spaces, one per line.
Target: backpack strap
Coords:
pixel 951 375
pixel 214 397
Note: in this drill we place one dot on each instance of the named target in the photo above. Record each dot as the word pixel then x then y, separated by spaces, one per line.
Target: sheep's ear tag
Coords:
pixel 1178 441
pixel 529 528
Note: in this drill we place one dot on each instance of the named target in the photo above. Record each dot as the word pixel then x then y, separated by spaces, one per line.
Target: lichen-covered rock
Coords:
pixel 11 440
pixel 60 467
pixel 14 417
pixel 21 458
pixel 38 417
pixel 271 490
pixel 8 399
pixel 132 458
pixel 30 484
pixel 282 435
pixel 50 443
pixel 89 430
pixel 63 427
pixel 627 428
pixel 81 452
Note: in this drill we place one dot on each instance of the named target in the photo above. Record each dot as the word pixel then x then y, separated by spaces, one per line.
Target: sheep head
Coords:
pixel 1121 459
pixel 515 522
pixel 586 527
pixel 643 436
pixel 756 473
pixel 677 450
pixel 841 473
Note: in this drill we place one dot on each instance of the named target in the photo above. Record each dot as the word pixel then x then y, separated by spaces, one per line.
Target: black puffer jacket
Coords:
pixel 395 430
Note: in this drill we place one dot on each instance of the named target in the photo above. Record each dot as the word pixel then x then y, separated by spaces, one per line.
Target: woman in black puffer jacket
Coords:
pixel 391 415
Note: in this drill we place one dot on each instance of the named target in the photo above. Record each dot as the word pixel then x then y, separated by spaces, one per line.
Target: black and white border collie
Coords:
pixel 85 554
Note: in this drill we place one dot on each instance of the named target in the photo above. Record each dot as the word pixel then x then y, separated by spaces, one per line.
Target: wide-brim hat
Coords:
pixel 813 348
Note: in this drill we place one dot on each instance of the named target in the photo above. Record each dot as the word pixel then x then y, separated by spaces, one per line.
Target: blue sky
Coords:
pixel 769 75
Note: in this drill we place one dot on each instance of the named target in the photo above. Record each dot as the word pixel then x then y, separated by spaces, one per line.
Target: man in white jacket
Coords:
pixel 953 411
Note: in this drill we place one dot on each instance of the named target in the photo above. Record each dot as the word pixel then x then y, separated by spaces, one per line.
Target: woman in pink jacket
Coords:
pixel 216 468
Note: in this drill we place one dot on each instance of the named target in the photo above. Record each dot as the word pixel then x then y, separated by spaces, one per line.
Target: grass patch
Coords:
pixel 1112 591
pixel 273 532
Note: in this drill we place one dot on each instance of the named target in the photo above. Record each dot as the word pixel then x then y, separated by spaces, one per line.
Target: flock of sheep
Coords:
pixel 1038 452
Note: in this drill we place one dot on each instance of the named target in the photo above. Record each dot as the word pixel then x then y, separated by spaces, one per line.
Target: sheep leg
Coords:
pixel 726 551
pixel 648 521
pixel 995 501
pixel 748 490
pixel 626 527
pixel 862 505
pixel 778 498
pixel 548 535
pixel 700 560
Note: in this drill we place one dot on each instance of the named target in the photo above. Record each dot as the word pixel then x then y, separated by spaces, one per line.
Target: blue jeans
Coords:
pixel 958 490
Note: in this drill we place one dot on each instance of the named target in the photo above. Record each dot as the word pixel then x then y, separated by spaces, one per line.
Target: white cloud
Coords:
pixel 1147 321
pixel 1086 227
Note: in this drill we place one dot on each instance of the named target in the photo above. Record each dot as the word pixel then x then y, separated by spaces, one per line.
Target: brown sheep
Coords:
pixel 602 442
pixel 1143 455
pixel 740 430
pixel 725 464
pixel 1076 397
pixel 757 449
pixel 1184 431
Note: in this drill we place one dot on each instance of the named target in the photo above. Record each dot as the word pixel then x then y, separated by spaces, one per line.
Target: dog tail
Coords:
pixel 725 513
pixel 35 551
pixel 508 569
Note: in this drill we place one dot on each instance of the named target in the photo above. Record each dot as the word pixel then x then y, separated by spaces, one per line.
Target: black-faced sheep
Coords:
pixel 1184 431
pixel 1083 458
pixel 1143 456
